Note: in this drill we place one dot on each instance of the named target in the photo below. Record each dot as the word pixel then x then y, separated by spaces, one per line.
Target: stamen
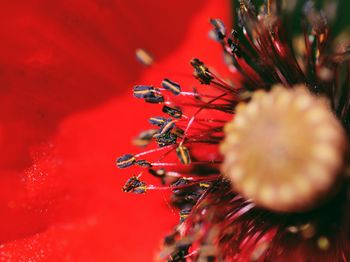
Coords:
pixel 144 138
pixel 134 185
pixel 201 72
pixel 143 91
pixel 166 127
pixel 192 163
pixel 126 161
pixel 219 28
pixel 166 139
pixel 149 93
pixel 143 163
pixel 183 154
pixel 154 99
pixel 157 120
pixel 171 86
pixel 154 150
pixel 144 57
pixel 174 112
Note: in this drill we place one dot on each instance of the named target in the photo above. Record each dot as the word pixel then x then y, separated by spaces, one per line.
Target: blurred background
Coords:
pixel 67 112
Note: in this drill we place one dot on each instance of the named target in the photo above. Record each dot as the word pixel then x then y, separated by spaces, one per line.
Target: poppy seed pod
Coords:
pixel 284 149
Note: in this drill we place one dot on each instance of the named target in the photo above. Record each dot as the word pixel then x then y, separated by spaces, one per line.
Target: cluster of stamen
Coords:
pixel 175 132
pixel 282 150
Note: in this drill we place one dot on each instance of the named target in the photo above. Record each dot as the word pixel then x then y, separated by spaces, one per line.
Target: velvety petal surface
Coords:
pixel 66 71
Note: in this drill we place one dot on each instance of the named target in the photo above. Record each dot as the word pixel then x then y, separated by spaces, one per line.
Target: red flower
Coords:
pixel 279 189
pixel 66 70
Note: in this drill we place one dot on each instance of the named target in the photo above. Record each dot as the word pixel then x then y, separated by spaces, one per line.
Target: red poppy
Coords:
pixel 262 172
pixel 67 113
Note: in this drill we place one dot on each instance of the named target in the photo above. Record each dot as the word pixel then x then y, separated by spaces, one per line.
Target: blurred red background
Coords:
pixel 66 71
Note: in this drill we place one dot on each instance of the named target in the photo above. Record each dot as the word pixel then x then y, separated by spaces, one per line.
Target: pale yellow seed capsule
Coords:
pixel 252 110
pixel 237 173
pixel 326 132
pixel 267 195
pixel 317 174
pixel 240 107
pixel 240 121
pixel 283 100
pixel 287 193
pixel 250 186
pixel 303 102
pixel 284 149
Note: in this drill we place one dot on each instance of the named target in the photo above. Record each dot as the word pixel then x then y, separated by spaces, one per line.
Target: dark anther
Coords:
pixel 144 138
pixel 143 163
pixel 134 185
pixel 183 154
pixel 154 99
pixel 166 139
pixel 126 161
pixel 143 91
pixel 184 214
pixel 166 127
pixel 174 112
pixel 201 72
pixel 171 86
pixel 219 28
pixel 157 120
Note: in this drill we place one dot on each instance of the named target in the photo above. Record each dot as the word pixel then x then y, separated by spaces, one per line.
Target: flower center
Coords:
pixel 284 149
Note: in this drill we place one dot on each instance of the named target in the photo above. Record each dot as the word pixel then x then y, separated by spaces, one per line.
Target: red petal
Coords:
pixel 64 121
